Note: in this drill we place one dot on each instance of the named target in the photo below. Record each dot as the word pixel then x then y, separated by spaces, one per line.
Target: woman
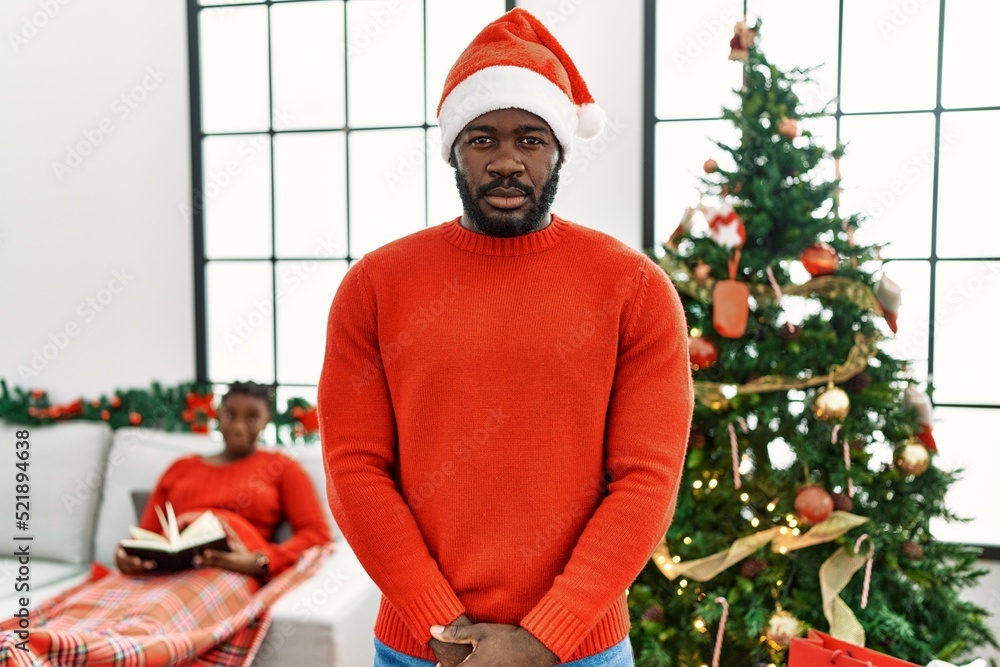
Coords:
pixel 211 613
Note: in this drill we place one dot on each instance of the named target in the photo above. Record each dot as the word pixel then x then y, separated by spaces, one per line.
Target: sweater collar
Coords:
pixel 524 244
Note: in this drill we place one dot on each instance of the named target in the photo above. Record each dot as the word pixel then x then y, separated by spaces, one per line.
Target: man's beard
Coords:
pixel 507 224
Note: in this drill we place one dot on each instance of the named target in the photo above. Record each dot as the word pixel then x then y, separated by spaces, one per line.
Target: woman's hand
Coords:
pixel 132 564
pixel 237 559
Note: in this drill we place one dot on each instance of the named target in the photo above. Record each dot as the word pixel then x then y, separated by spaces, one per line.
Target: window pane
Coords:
pixel 910 343
pixel 233 46
pixel 681 150
pixel 310 194
pixel 694 78
pixel 963 442
pixel 443 202
pixel 387 187
pixel 788 46
pixel 966 357
pixel 451 25
pixel 305 293
pixel 307 47
pixel 240 322
pixel 385 63
pixel 967 138
pixel 890 55
pixel 968 48
pixel 888 172
pixel 237 195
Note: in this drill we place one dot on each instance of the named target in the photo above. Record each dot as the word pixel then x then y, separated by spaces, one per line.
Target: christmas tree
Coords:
pixel 811 457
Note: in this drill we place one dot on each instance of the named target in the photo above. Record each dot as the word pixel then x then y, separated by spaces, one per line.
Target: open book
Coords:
pixel 174 550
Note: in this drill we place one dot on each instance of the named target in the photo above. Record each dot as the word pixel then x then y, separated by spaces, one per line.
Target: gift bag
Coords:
pixel 822 649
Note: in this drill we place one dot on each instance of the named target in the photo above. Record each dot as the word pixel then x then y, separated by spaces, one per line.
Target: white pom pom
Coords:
pixel 590 121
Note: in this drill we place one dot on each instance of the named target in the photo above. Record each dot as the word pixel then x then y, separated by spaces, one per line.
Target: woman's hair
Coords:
pixel 250 388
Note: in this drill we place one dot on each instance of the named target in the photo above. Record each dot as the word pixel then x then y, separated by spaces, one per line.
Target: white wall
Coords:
pixel 63 239
pixel 109 228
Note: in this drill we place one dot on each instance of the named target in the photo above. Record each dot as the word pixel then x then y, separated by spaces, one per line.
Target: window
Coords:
pixel 313 142
pixel 920 130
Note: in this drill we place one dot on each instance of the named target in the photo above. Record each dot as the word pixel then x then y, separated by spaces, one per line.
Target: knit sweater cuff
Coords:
pixel 556 627
pixel 436 606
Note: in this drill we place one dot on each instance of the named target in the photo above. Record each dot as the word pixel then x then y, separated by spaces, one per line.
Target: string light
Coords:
pixel 712 483
pixel 687 540
pixel 695 332
pixel 771 505
pixel 755 522
pixel 744 497
pixel 684 583
pixel 697 484
pixel 699 625
pixel 677 559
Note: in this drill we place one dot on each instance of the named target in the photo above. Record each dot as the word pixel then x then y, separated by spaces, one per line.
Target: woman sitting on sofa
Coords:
pixel 214 612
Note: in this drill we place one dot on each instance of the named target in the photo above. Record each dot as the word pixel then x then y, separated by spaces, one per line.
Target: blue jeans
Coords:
pixel 619 655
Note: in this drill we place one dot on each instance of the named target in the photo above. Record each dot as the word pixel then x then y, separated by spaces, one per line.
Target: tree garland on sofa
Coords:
pixel 189 406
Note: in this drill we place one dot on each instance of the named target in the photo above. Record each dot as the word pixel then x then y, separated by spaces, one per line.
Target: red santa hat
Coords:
pixel 516 63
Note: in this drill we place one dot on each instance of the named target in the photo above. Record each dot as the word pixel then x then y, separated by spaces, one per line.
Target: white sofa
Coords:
pixel 82 477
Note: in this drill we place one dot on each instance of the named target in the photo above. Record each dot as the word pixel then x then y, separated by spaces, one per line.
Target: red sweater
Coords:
pixel 504 422
pixel 263 489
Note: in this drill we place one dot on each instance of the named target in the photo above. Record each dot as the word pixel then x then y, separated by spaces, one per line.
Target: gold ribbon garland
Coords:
pixel 782 541
pixel 865 347
pixel 834 574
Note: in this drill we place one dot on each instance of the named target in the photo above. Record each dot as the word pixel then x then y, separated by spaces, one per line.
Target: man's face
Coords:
pixel 507 171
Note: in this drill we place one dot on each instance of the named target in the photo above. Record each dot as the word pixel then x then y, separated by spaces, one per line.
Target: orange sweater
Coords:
pixel 504 422
pixel 263 489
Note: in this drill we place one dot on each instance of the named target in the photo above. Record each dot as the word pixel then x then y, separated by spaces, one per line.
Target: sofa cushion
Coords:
pixel 65 476
pixel 140 456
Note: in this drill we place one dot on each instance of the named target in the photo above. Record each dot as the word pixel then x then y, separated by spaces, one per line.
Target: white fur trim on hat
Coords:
pixel 507 87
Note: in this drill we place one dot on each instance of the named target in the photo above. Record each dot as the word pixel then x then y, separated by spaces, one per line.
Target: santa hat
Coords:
pixel 516 63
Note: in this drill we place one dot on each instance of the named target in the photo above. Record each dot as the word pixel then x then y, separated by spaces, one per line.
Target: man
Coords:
pixel 506 397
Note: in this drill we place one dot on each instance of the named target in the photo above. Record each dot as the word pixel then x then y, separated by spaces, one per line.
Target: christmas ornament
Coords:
pixel 725 226
pixel 199 411
pixel 792 333
pixel 696 438
pixel 702 272
pixel 889 296
pixel 741 42
pixel 912 457
pixel 912 550
pixel 915 399
pixel 858 383
pixel 703 352
pixel 730 303
pixel 831 403
pixel 654 613
pixel 842 502
pixel 710 166
pixel 814 504
pixel 685 224
pixel 820 259
pixel 134 418
pixel 788 128
pixel 736 189
pixel 752 567
pixel 782 628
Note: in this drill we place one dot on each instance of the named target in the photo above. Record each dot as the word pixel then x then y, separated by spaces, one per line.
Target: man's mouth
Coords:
pixel 505 198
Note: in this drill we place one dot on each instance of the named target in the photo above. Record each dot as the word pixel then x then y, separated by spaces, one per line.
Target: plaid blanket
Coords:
pixel 204 616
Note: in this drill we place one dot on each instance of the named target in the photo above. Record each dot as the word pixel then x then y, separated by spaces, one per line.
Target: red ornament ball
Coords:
pixel 710 166
pixel 788 128
pixel 814 504
pixel 820 259
pixel 702 351
pixel 134 418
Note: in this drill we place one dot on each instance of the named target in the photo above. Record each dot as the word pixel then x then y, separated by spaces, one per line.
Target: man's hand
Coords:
pixel 496 645
pixel 449 654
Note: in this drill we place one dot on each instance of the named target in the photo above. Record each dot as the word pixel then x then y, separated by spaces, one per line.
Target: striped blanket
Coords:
pixel 204 616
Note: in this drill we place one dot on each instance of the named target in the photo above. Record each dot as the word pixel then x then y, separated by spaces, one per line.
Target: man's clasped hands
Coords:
pixel 488 645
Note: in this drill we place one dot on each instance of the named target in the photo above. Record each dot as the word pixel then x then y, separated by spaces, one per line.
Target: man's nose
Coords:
pixel 505 163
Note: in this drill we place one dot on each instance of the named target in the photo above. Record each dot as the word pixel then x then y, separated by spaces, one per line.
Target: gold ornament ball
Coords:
pixel 831 404
pixel 913 458
pixel 782 628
